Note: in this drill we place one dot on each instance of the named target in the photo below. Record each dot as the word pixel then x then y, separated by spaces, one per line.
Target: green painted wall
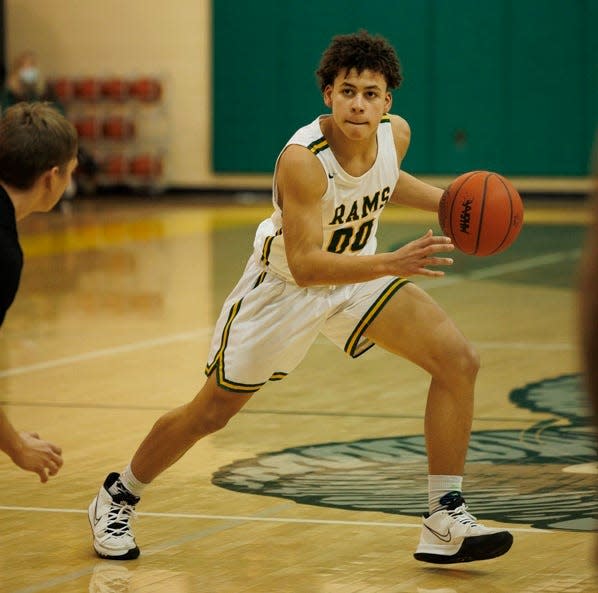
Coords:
pixel 507 85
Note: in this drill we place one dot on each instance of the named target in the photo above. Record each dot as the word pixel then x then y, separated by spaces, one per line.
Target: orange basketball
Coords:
pixel 116 89
pixel 63 88
pixel 146 89
pixel 87 89
pixel 118 127
pixel 88 127
pixel 146 165
pixel 481 212
pixel 115 166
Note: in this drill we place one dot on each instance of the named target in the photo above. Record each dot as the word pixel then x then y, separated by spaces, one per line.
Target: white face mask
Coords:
pixel 29 75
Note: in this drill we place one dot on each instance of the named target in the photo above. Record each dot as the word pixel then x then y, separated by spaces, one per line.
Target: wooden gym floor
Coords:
pixel 317 486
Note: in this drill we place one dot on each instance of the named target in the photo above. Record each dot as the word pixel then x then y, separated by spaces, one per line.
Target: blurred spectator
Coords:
pixel 25 82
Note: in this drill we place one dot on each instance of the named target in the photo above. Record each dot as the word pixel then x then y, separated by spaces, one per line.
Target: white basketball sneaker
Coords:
pixel 453 535
pixel 109 517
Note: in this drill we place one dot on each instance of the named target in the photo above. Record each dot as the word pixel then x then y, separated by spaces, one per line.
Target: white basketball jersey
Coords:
pixel 351 206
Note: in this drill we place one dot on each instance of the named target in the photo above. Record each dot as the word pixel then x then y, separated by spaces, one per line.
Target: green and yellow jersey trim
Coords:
pixel 268 246
pixel 318 145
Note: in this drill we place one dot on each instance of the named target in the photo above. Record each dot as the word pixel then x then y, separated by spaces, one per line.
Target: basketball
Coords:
pixel 115 166
pixel 118 127
pixel 87 89
pixel 62 88
pixel 481 212
pixel 115 89
pixel 146 166
pixel 88 127
pixel 146 89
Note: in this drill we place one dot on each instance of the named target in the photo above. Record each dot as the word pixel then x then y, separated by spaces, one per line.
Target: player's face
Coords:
pixel 358 102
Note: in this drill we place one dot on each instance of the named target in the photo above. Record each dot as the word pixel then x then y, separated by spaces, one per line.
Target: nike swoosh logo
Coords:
pixel 445 537
pixel 96 519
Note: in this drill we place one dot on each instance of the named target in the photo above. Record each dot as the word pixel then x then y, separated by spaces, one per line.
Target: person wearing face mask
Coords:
pixel 25 83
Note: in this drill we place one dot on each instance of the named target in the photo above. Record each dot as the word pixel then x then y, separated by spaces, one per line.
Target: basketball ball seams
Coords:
pixel 509 227
pixel 482 212
pixel 481 216
pixel 452 233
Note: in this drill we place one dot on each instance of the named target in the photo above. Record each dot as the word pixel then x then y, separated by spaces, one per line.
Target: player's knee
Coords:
pixel 215 420
pixel 212 409
pixel 207 421
pixel 471 360
pixel 461 364
pixel 466 362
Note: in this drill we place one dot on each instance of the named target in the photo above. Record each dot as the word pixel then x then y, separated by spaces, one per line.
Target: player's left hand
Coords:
pixel 415 257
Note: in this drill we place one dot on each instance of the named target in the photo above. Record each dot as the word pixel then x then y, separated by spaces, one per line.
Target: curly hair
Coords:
pixel 361 51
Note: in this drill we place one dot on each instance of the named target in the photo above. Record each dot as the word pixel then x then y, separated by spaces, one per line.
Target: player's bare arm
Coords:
pixel 301 183
pixel 402 135
pixel 413 192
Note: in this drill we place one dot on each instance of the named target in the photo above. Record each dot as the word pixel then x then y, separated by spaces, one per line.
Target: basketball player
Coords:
pixel 315 270
pixel 38 149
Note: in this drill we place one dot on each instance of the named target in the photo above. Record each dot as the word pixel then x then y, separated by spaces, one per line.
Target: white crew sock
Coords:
pixel 128 480
pixel 438 486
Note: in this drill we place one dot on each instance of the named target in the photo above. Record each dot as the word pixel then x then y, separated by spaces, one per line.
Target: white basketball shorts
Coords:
pixel 267 325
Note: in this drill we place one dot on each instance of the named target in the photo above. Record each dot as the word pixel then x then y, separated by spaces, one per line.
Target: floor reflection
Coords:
pixel 112 577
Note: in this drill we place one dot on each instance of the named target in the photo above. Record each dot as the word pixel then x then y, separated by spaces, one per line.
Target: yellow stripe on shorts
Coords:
pixel 353 341
pixel 218 362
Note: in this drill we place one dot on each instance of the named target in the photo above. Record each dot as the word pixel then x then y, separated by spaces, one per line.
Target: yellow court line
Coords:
pixel 176 223
pixel 191 220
